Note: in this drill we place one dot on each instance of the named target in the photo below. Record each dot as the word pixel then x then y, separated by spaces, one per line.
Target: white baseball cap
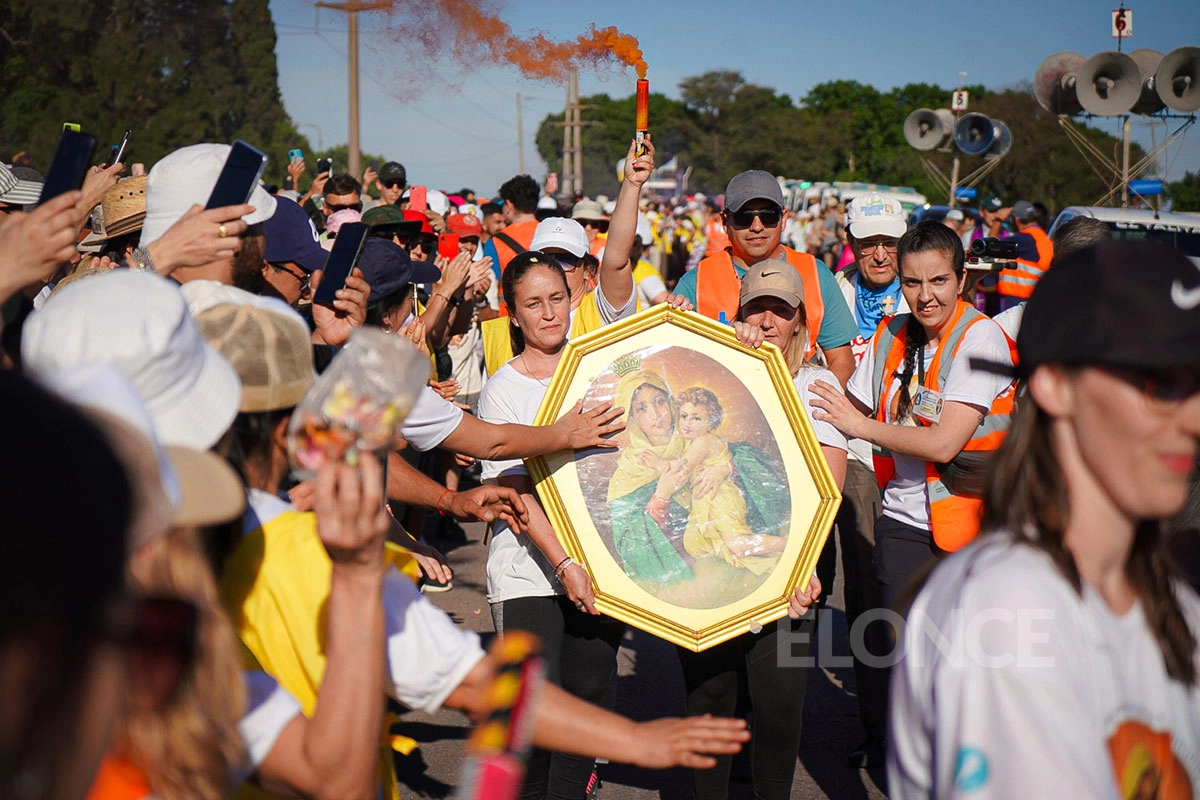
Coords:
pixel 565 234
pixel 139 323
pixel 186 178
pixel 875 214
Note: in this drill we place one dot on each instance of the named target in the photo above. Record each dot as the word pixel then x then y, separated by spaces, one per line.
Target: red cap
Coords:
pixel 417 216
pixel 464 224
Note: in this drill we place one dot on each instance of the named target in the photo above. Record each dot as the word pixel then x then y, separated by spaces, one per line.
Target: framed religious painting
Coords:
pixel 716 501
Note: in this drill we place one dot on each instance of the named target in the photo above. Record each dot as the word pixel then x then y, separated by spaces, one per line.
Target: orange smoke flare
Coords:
pixel 475 34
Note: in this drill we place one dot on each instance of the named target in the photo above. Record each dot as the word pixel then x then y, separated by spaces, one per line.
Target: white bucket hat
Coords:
pixel 186 178
pixel 139 323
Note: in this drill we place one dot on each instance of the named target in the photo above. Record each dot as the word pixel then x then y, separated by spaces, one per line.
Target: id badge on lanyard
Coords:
pixel 927 403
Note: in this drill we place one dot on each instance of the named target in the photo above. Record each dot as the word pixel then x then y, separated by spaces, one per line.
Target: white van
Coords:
pixel 1180 231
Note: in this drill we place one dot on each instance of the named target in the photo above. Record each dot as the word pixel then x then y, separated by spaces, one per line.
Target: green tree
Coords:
pixel 1184 194
pixel 175 72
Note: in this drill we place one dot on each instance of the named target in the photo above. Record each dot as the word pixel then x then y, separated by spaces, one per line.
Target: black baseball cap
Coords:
pixel 393 171
pixel 1124 303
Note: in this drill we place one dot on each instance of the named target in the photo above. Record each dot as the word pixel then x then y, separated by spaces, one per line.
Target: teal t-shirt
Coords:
pixel 837 326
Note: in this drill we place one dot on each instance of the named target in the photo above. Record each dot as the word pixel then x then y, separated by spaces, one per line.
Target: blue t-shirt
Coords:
pixel 837 325
pixel 489 249
pixel 872 305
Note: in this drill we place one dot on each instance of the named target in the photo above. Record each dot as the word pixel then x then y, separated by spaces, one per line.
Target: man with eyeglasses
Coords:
pixel 871 286
pixel 292 252
pixel 342 191
pixel 753 219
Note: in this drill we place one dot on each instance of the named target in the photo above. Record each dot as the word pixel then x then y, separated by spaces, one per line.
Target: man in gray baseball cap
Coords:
pixel 753 218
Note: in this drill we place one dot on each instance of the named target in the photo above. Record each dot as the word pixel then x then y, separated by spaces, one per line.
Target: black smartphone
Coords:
pixel 324 165
pixel 72 157
pixel 117 154
pixel 342 258
pixel 243 167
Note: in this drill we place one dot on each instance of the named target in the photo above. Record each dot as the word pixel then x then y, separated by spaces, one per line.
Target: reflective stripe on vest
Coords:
pixel 718 287
pixel 954 519
pixel 1019 282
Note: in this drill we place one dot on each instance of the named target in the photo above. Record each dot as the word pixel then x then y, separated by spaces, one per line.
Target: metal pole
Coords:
pixel 568 177
pixel 520 139
pixel 352 7
pixel 578 141
pixel 355 155
pixel 953 183
pixel 1125 166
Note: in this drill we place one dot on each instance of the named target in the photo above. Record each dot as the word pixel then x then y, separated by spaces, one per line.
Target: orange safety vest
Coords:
pixel 1019 282
pixel 954 518
pixel 718 287
pixel 519 232
pixel 716 239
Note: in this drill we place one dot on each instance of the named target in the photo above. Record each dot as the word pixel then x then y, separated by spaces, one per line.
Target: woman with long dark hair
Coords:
pixel 1066 653
pixel 931 417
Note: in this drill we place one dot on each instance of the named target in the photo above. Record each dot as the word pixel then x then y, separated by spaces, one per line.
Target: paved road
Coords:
pixel 649 685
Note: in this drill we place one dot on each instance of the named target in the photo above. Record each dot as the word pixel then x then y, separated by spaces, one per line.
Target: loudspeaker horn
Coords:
pixel 1177 80
pixel 1002 142
pixel 1108 84
pixel 1054 83
pixel 974 134
pixel 925 128
pixel 1148 101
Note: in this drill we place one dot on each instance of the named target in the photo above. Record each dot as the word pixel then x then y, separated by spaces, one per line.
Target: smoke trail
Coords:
pixel 475 34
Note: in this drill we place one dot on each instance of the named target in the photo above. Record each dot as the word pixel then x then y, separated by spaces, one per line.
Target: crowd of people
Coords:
pixel 1013 443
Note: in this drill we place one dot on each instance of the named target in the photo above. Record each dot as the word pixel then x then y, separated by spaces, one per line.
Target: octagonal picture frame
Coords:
pixel 718 430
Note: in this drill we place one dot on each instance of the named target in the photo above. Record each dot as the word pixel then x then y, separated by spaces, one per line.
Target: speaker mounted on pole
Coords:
pixel 1109 84
pixel 1054 83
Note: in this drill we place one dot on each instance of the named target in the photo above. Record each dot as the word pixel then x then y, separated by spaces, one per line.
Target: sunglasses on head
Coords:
pixel 158 636
pixel 745 217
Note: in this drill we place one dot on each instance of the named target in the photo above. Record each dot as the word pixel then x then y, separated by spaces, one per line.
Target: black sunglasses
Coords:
pixel 599 224
pixel 305 278
pixel 344 206
pixel 394 184
pixel 745 218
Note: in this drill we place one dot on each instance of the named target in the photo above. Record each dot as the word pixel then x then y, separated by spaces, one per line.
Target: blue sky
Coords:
pixel 452 124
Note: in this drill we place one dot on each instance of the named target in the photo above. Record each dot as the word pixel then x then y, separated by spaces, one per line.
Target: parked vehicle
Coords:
pixel 1181 231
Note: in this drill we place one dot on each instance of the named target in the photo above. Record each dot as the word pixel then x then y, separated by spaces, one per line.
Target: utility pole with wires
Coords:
pixel 352 7
pixel 572 125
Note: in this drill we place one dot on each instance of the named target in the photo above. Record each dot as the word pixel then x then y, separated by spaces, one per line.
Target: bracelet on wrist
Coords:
pixel 142 260
pixel 562 567
pixel 441 497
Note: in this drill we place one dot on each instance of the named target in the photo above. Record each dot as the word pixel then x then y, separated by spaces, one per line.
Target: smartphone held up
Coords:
pixel 243 168
pixel 72 157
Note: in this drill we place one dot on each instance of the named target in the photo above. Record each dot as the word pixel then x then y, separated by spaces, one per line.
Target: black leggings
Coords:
pixel 775 665
pixel 580 654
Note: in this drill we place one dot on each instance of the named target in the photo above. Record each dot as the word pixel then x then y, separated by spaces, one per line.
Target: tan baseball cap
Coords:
pixel 271 352
pixel 773 278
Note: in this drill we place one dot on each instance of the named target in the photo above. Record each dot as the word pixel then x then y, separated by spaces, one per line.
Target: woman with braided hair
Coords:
pixel 930 416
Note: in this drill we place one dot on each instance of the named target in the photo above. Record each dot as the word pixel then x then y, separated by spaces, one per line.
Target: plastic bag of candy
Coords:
pixel 358 404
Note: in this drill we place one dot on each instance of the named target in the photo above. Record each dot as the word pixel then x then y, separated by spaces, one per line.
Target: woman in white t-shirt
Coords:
pixel 1057 656
pixel 532 584
pixel 917 399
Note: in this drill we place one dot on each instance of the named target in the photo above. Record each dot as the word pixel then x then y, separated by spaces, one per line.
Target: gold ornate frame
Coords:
pixel 813 493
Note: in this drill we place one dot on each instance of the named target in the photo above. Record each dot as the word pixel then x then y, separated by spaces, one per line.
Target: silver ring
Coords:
pixel 579 606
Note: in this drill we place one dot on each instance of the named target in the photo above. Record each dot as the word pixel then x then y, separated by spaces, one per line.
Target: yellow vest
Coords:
pixel 274 588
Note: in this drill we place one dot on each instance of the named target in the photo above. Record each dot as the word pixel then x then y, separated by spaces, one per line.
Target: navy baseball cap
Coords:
pixel 387 267
pixel 291 236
